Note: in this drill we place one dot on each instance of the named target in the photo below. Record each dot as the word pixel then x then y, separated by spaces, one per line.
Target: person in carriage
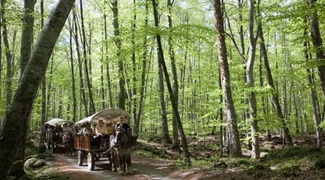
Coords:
pixel 86 130
pixel 67 133
pixel 122 125
pixel 110 129
pixel 57 133
pixel 100 134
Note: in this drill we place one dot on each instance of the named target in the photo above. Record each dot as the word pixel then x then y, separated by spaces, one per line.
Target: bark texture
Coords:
pixel 24 97
pixel 235 148
pixel 317 41
pixel 162 64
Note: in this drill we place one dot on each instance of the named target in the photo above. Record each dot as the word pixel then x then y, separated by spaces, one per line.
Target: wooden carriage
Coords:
pixel 53 140
pixel 83 143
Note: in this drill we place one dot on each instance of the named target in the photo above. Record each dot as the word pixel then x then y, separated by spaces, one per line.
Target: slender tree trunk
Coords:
pixel 274 95
pixel 250 81
pixel 102 89
pixel 143 76
pixel 134 99
pixel 8 55
pixel 25 51
pixel 110 96
pixel 163 111
pixel 235 148
pixel 82 87
pixel 44 108
pixel 118 44
pixel 24 97
pixel 317 41
pixel 313 94
pixel 92 109
pixel 1 65
pixel 73 79
pixel 161 61
pixel 49 86
pixel 173 66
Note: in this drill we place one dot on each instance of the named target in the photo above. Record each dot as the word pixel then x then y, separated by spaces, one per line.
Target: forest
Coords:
pixel 243 71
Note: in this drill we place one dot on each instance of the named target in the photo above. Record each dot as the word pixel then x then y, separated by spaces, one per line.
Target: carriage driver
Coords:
pixel 121 124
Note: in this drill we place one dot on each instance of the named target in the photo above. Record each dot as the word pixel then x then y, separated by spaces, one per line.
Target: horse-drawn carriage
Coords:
pixel 117 147
pixel 54 133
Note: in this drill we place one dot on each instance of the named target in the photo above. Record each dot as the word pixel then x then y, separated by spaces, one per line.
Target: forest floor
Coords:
pixel 154 160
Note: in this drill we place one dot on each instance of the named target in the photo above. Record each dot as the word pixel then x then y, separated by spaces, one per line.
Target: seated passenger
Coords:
pixel 100 129
pixel 100 132
pixel 86 130
pixel 110 129
pixel 67 132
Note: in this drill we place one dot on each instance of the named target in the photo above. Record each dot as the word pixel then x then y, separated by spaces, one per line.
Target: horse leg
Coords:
pixel 114 162
pixel 128 161
pixel 121 159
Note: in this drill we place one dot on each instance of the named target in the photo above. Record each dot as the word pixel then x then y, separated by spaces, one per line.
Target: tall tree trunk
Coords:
pixel 313 95
pixel 274 96
pixel 73 79
pixel 134 99
pixel 85 57
pixel 24 97
pixel 49 86
pixel 250 81
pixel 263 97
pixel 143 76
pixel 82 86
pixel 173 66
pixel 161 62
pixel 118 44
pixel 1 64
pixel 102 89
pixel 8 55
pixel 163 111
pixel 110 96
pixel 44 107
pixel 317 41
pixel 25 51
pixel 235 148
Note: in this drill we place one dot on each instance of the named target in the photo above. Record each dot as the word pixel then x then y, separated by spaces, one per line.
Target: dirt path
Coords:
pixel 143 169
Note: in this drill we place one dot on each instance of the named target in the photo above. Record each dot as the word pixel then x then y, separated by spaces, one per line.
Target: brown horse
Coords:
pixel 121 148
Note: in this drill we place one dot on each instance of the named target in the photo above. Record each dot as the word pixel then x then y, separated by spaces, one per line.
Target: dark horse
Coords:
pixel 121 148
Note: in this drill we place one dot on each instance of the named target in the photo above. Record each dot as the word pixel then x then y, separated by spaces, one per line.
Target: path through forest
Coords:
pixel 143 169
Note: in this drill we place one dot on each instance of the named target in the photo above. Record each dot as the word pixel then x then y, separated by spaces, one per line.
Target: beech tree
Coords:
pixel 234 145
pixel 23 100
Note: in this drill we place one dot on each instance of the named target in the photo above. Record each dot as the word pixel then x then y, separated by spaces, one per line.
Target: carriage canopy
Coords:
pixel 55 121
pixel 107 115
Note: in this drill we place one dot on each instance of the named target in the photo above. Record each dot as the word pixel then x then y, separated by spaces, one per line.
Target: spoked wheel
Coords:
pixel 80 158
pixel 91 161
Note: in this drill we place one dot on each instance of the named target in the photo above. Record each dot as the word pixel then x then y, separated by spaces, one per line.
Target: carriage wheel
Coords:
pixel 91 161
pixel 80 158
